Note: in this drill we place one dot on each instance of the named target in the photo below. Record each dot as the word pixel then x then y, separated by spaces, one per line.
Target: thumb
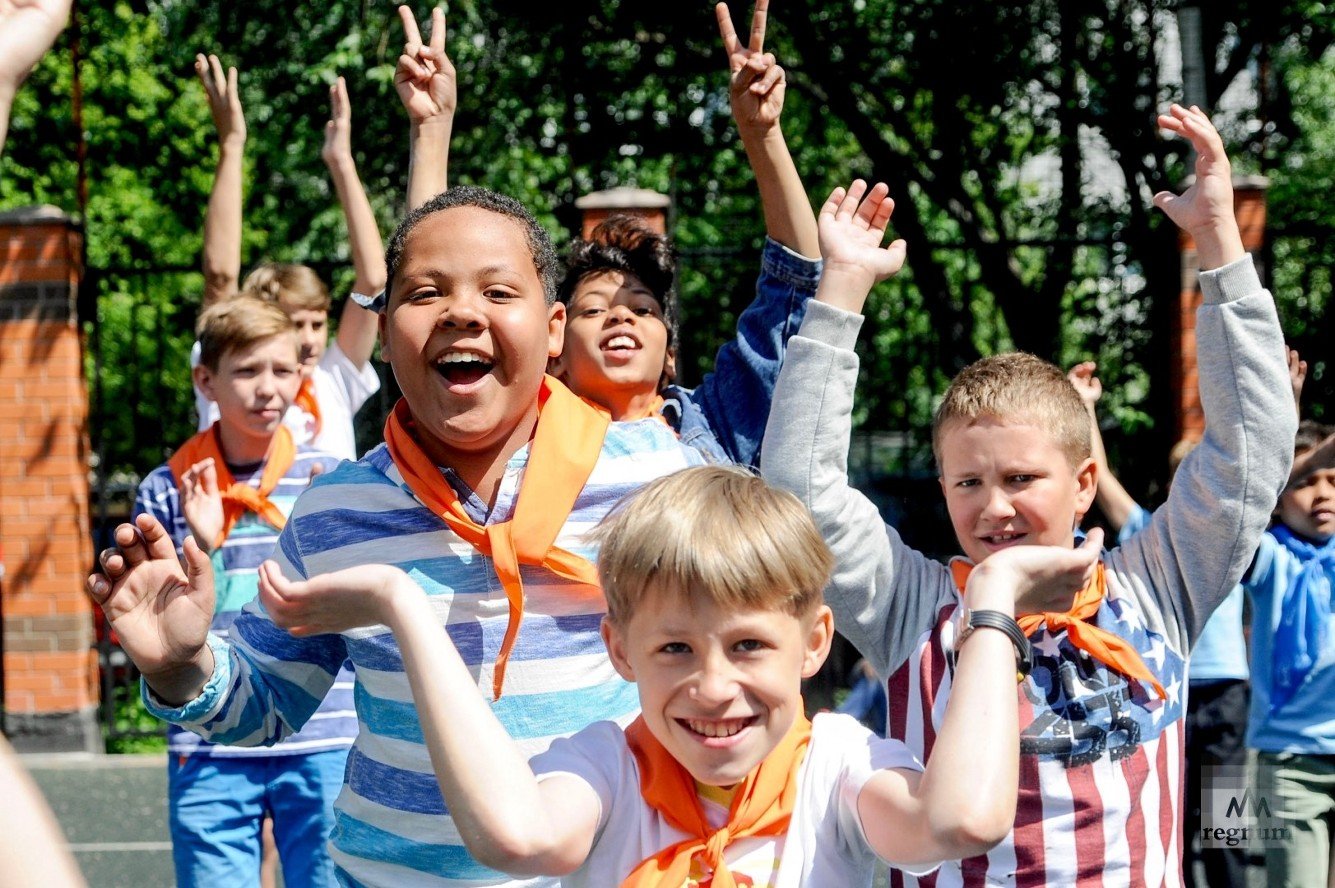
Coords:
pixel 1164 200
pixel 1093 543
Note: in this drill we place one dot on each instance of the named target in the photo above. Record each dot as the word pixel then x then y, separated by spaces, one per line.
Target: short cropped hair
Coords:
pixel 1017 386
pixel 1310 434
pixel 623 243
pixel 237 323
pixel 714 532
pixel 539 241
pixel 293 287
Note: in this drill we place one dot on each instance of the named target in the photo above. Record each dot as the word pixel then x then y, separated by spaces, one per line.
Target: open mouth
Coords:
pixel 621 342
pixel 463 368
pixel 717 728
pixel 1002 539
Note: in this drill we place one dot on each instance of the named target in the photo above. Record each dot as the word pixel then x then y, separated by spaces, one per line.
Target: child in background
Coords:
pixel 1101 713
pixel 230 489
pixel 1292 723
pixel 491 475
pixel 621 320
pixel 337 377
pixel 713 581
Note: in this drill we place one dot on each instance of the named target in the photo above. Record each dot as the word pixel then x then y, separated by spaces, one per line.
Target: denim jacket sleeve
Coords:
pixel 724 417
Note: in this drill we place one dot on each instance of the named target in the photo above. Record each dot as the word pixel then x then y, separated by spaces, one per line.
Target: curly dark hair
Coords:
pixel 539 241
pixel 623 243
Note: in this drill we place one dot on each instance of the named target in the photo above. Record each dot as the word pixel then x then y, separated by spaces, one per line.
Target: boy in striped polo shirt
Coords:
pixel 489 478
pixel 1101 714
pixel 231 488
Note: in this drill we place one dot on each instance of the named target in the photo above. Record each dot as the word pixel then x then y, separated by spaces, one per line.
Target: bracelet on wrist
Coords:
pixel 971 620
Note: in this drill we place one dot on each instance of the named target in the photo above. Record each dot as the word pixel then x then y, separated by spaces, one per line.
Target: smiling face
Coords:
pixel 1008 483
pixel 616 341
pixel 1308 507
pixel 253 386
pixel 718 688
pixel 468 332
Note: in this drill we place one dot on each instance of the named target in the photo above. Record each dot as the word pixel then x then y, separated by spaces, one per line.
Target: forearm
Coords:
pixel 222 224
pixel 1219 244
pixel 6 105
pixel 491 792
pixel 1315 460
pixel 1116 504
pixel 428 161
pixel 368 250
pixel 788 215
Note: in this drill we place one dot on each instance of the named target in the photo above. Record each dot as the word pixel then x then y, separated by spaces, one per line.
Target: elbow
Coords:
pixel 974 830
pixel 522 856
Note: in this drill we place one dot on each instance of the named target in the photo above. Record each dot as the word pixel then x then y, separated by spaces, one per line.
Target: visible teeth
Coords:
pixel 1004 537
pixel 621 342
pixel 716 729
pixel 463 358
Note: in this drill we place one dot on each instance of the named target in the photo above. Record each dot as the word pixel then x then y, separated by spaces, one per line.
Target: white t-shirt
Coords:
pixel 824 845
pixel 340 390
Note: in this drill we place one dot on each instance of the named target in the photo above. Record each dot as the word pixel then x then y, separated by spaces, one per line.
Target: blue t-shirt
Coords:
pixel 1306 723
pixel 1221 652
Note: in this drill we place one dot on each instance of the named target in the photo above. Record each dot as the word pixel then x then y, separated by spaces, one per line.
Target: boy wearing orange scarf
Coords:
pixel 231 488
pixel 489 479
pixel 1101 715
pixel 713 582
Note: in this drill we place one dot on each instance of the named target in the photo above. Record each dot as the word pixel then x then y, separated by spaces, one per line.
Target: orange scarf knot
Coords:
pixel 762 805
pixel 565 448
pixel 238 498
pixel 1112 650
pixel 306 401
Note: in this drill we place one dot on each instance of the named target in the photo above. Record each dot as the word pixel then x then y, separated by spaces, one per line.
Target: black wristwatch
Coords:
pixel 970 620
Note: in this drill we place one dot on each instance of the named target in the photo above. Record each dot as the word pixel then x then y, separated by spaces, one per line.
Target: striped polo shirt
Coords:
pixel 392 824
pixel 236 581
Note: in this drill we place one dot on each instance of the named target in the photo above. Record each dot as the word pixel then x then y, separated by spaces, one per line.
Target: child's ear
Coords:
pixel 669 368
pixel 382 321
pixel 820 635
pixel 203 378
pixel 1087 484
pixel 556 329
pixel 615 640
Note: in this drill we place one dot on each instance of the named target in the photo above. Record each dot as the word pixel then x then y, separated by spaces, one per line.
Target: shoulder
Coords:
pixel 854 749
pixel 310 459
pixel 351 486
pixel 647 440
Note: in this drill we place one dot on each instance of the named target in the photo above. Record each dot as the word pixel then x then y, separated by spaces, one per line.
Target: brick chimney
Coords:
pixel 640 202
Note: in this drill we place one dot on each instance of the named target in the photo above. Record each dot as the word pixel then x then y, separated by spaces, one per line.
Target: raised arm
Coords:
pixel 425 81
pixel 27 30
pixel 509 820
pixel 1116 503
pixel 756 91
pixel 964 802
pixel 356 326
pixel 1297 376
pixel 1318 459
pixel 222 221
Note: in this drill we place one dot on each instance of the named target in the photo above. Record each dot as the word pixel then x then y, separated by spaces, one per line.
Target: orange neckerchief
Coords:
pixel 306 401
pixel 565 448
pixel 1100 644
pixel 238 498
pixel 762 806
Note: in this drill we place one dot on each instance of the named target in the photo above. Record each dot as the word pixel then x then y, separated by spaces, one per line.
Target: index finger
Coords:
pixel 411 35
pixel 758 19
pixel 438 29
pixel 727 32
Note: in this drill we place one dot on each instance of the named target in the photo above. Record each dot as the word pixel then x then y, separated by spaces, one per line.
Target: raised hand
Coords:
pixel 852 228
pixel 1086 383
pixel 1205 209
pixel 424 77
pixel 201 503
pixel 160 612
pixel 27 30
pixel 224 99
pixel 333 602
pixel 338 131
pixel 1034 579
pixel 757 84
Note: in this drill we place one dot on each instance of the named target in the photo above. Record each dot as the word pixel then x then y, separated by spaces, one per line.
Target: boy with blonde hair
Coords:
pixel 489 479
pixel 714 609
pixel 219 795
pixel 1101 712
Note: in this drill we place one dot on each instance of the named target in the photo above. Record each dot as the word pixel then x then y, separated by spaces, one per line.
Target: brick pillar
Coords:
pixel 1249 205
pixel 647 205
pixel 50 665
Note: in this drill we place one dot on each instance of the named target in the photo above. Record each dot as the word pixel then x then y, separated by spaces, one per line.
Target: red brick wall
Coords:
pixel 49 665
pixel 1249 205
